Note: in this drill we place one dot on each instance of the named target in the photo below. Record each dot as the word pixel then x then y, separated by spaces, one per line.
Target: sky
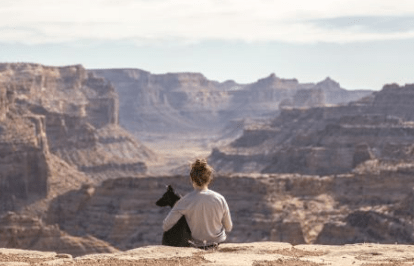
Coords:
pixel 362 44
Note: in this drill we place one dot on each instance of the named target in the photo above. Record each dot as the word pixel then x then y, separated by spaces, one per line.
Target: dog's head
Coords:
pixel 169 198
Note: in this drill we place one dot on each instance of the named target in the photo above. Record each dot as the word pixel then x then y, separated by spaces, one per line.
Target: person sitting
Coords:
pixel 205 210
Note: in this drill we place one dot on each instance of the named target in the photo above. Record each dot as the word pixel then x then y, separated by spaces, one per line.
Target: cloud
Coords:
pixel 378 24
pixel 188 21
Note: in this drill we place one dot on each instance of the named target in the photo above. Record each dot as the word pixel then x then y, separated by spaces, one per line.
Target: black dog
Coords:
pixel 180 234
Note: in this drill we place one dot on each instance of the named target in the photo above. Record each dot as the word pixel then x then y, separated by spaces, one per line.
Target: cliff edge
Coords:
pixel 248 254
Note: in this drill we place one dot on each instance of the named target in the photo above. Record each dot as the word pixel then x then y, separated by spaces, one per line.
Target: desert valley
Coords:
pixel 306 168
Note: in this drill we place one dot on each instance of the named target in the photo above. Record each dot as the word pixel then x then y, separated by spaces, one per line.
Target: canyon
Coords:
pixel 182 102
pixel 85 154
pixel 326 140
pixel 58 130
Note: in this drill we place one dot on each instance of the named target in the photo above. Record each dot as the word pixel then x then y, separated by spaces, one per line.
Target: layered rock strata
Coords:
pixel 183 102
pixel 289 208
pixel 325 140
pixel 23 151
pixel 77 113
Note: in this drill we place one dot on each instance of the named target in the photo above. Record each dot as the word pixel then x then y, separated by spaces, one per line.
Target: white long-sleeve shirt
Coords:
pixel 207 215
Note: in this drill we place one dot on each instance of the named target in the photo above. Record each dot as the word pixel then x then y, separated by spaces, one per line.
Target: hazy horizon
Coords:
pixel 361 45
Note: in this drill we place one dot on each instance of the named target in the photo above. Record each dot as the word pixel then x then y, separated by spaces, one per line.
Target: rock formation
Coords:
pixel 76 117
pixel 58 130
pixel 325 140
pixel 26 232
pixel 246 254
pixel 288 208
pixel 23 152
pixel 183 102
pixel 309 98
pixel 316 173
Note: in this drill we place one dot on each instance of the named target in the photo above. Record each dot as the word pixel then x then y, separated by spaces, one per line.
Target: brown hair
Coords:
pixel 201 172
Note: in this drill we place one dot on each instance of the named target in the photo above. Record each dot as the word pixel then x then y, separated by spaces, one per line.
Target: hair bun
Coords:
pixel 201 172
pixel 200 163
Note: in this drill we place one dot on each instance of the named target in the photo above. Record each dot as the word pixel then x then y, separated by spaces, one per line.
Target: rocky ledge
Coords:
pixel 255 254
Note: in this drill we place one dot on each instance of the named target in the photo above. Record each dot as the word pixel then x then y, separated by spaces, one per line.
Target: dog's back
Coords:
pixel 180 233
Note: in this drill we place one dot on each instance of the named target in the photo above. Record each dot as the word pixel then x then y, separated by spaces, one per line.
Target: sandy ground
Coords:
pixel 255 254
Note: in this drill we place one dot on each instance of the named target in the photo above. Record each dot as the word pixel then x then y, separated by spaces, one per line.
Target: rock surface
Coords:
pixel 71 113
pixel 26 232
pixel 60 137
pixel 337 209
pixel 182 102
pixel 58 130
pixel 249 254
pixel 326 140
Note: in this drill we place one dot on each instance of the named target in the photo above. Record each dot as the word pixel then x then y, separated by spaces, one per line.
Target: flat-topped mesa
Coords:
pixel 396 100
pixel 187 80
pixel 68 90
pixel 271 89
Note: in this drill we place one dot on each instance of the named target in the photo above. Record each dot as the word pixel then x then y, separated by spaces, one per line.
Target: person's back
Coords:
pixel 206 211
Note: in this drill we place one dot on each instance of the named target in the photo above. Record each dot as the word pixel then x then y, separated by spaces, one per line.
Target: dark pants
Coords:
pixel 209 247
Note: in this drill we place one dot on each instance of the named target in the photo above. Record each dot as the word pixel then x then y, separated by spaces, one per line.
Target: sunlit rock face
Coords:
pixel 326 140
pixel 189 102
pixel 23 150
pixel 75 115
pixel 58 130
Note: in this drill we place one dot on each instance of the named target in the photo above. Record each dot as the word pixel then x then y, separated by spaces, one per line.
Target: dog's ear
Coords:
pixel 169 188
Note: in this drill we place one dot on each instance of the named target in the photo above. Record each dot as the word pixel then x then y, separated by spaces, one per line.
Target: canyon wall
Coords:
pixel 183 102
pixel 264 207
pixel 23 151
pixel 76 114
pixel 58 130
pixel 326 140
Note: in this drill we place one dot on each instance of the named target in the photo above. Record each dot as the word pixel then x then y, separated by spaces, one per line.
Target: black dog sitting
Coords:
pixel 180 234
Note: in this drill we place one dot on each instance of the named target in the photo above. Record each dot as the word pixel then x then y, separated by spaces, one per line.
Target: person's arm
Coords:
pixel 227 223
pixel 171 219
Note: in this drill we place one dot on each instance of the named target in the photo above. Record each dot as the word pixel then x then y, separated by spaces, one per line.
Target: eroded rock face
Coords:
pixel 309 98
pixel 179 102
pixel 288 208
pixel 66 90
pixel 58 130
pixel 23 151
pixel 76 117
pixel 123 211
pixel 25 232
pixel 325 140
pixel 367 227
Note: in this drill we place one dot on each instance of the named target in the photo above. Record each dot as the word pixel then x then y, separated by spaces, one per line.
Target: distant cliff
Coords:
pixel 64 111
pixel 326 140
pixel 23 152
pixel 179 102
